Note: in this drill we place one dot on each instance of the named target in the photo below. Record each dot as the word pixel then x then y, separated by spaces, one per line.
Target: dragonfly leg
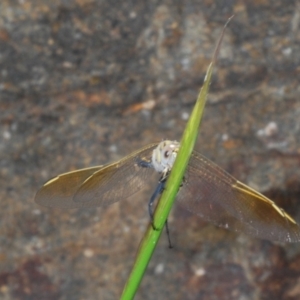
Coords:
pixel 158 191
pixel 144 163
pixel 168 234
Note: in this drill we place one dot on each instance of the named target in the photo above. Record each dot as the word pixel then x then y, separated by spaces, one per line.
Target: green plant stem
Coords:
pixel 173 183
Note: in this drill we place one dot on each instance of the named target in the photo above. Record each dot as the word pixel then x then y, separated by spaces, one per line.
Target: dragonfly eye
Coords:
pixel 163 155
pixel 166 154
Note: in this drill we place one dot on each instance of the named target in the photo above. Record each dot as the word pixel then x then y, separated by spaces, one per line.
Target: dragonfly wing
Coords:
pixel 59 191
pixel 97 186
pixel 213 194
pixel 115 181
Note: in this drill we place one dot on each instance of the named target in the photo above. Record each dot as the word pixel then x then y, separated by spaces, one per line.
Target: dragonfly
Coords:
pixel 206 190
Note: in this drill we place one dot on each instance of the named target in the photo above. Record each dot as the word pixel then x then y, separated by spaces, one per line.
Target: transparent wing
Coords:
pixel 97 186
pixel 59 191
pixel 217 197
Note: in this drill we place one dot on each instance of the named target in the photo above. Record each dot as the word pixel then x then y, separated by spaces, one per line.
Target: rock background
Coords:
pixel 86 82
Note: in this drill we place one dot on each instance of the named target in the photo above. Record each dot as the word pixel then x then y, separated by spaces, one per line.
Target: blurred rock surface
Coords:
pixel 83 83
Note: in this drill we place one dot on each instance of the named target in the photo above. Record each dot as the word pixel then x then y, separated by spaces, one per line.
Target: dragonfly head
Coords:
pixel 164 155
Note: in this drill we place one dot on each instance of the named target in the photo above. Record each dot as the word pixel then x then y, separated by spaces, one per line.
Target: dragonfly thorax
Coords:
pixel 164 155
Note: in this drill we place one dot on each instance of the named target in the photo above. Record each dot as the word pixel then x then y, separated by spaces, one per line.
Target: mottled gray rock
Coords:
pixel 83 83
